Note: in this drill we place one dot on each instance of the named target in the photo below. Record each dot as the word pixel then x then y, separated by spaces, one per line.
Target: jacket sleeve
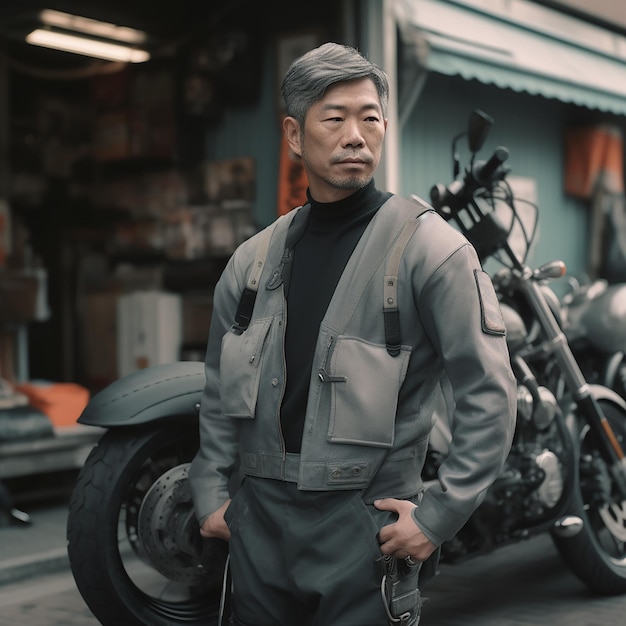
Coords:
pixel 462 317
pixel 210 470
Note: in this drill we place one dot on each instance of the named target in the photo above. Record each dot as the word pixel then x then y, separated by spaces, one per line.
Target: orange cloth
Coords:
pixel 61 402
pixel 591 153
pixel 292 180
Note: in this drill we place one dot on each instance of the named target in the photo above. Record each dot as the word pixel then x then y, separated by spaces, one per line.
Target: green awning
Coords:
pixel 542 53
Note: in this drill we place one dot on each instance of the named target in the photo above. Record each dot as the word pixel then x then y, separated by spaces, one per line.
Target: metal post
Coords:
pixel 380 45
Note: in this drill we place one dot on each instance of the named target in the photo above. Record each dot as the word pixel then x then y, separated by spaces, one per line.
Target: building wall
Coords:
pixel 254 131
pixel 531 127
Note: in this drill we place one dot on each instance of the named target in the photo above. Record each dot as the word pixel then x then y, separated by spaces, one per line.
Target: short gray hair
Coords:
pixel 310 75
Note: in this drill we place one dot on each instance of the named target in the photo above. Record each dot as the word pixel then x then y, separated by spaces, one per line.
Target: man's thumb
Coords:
pixel 386 504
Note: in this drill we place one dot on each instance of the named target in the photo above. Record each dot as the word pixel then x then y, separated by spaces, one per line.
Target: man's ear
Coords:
pixel 291 128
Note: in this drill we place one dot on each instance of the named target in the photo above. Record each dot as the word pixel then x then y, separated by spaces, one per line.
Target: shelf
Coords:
pixel 68 449
pixel 193 274
pixel 134 165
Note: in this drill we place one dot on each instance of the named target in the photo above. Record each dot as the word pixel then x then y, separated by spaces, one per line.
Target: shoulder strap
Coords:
pixel 294 234
pixel 296 229
pixel 391 314
pixel 248 296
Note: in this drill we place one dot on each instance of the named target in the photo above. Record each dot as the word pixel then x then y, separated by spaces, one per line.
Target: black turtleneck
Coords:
pixel 320 256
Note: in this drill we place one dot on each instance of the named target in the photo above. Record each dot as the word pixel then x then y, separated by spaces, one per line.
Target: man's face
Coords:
pixel 342 140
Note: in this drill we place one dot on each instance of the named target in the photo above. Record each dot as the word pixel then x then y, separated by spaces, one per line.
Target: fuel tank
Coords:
pixel 515 328
pixel 599 317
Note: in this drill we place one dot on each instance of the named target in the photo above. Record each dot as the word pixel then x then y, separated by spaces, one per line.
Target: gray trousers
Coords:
pixel 304 558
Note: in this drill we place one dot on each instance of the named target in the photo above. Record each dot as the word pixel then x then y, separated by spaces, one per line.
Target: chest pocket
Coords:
pixel 364 381
pixel 365 378
pixel 240 368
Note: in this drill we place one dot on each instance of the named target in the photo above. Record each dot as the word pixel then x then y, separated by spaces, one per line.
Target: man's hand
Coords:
pixel 215 526
pixel 403 538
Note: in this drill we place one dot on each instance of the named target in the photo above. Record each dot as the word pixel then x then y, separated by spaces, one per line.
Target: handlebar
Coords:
pixel 447 200
pixel 475 201
pixel 458 201
pixel 487 171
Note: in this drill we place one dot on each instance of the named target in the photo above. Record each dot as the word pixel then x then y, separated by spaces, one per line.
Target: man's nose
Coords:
pixel 353 137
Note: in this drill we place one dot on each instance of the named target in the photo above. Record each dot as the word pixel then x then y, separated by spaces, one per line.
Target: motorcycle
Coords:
pixel 566 470
pixel 133 541
pixel 593 318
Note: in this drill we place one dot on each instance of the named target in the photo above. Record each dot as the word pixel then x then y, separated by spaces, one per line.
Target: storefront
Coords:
pixel 153 202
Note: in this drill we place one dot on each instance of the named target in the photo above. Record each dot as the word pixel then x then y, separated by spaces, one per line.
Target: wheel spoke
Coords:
pixel 614 518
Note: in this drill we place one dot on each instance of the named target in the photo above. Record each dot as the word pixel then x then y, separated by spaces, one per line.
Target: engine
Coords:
pixel 531 483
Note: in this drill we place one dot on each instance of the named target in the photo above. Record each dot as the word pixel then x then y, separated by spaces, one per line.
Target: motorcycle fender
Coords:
pixel 612 367
pixel 148 395
pixel 599 392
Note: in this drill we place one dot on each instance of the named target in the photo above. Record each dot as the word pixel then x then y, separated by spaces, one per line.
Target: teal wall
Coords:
pixel 253 131
pixel 531 127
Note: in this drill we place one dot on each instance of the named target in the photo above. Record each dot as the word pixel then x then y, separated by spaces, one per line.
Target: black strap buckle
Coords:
pixel 400 592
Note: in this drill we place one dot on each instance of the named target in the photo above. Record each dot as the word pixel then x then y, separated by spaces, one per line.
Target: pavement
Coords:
pixel 38 477
pixel 522 585
pixel 37 548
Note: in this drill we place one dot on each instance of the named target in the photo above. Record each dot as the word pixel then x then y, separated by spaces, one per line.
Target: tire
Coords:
pixel 597 553
pixel 113 566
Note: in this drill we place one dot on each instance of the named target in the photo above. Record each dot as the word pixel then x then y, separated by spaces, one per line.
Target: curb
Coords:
pixel 14 570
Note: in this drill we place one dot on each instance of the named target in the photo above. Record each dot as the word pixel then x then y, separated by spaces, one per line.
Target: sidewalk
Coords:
pixel 37 548
pixel 39 476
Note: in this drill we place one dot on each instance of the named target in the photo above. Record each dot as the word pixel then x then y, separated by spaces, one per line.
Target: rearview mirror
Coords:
pixel 479 125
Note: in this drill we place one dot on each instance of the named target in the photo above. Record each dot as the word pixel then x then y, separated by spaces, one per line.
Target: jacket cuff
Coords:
pixel 436 522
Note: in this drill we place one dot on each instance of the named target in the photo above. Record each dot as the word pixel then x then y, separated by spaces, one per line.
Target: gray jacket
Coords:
pixel 369 413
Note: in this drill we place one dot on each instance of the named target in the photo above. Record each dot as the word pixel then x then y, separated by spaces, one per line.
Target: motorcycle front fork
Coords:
pixel 558 345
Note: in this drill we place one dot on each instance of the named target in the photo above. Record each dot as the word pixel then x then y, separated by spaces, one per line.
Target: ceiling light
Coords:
pixel 86 46
pixel 78 24
pixel 83 35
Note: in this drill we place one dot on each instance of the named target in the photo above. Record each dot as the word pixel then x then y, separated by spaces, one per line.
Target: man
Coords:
pixel 330 333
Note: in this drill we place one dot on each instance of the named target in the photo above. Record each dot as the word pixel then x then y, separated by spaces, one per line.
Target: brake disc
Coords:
pixel 168 530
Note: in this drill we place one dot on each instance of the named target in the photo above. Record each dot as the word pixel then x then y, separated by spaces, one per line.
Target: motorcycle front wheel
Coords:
pixel 597 553
pixel 133 542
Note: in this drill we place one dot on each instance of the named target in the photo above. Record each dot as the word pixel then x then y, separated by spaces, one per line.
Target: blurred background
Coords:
pixel 130 172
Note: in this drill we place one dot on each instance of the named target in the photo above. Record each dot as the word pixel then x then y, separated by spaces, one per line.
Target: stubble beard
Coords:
pixel 352 183
pixel 347 182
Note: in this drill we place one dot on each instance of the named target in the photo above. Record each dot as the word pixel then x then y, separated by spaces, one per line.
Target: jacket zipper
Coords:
pixel 322 373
